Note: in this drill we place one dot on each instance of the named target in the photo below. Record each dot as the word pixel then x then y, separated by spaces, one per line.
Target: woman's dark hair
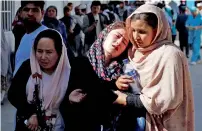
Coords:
pixel 150 18
pixel 52 34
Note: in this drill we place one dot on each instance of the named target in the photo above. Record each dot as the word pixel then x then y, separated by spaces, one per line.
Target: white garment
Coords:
pixel 59 123
pixel 98 26
pixel 5 56
pixel 24 49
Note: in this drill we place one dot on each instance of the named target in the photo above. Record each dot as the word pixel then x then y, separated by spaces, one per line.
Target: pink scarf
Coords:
pixel 164 77
pixel 54 94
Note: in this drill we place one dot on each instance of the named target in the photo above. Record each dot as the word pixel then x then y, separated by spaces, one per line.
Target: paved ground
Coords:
pixel 8 111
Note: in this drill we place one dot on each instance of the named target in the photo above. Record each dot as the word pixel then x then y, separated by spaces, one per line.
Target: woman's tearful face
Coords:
pixel 116 42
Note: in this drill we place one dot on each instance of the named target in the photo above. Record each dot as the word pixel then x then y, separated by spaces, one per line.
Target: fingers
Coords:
pixel 78 90
pixel 123 82
pixel 33 127
pixel 126 79
pixel 33 123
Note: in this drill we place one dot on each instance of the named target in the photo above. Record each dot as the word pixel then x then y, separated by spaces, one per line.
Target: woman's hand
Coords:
pixel 123 82
pixel 121 100
pixel 77 96
pixel 33 123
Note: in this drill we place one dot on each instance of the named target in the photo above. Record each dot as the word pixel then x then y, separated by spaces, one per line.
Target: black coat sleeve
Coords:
pixel 92 84
pixel 99 92
pixel 17 91
pixel 133 100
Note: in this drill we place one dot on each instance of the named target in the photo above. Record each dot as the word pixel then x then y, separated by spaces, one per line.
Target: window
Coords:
pixel 7 14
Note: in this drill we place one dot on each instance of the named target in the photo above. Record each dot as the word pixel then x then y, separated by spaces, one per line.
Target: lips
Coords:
pixel 43 63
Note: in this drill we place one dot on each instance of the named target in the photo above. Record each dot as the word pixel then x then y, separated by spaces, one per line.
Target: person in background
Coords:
pixel 199 6
pixel 18 32
pixel 115 15
pixel 164 73
pixel 170 13
pixel 33 13
pixel 93 24
pixel 72 27
pixel 79 38
pixel 67 20
pixel 182 4
pixel 70 5
pixel 183 33
pixel 50 20
pixel 194 26
pixel 83 7
pixel 6 71
pixel 122 11
pixel 18 27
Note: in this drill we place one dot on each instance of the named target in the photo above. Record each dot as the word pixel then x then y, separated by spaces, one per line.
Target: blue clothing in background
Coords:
pixel 24 49
pixel 57 25
pixel 194 36
pixel 173 29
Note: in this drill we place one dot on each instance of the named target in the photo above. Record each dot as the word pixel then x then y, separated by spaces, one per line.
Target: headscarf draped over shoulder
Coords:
pixel 164 76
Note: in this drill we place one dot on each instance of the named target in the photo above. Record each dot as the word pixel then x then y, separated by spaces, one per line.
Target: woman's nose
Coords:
pixel 135 36
pixel 43 56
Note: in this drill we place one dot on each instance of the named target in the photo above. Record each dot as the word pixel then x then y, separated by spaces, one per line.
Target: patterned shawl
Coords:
pixel 97 58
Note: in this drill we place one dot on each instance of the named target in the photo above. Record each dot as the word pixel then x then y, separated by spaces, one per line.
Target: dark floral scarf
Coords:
pixel 97 58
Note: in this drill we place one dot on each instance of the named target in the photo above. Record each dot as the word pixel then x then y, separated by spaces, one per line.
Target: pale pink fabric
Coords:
pixel 54 94
pixel 165 79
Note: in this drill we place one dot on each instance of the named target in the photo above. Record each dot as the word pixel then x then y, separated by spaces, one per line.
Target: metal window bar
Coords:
pixel 7 14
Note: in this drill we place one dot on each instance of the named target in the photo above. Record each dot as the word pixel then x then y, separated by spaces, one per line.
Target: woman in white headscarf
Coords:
pixel 40 84
pixel 166 90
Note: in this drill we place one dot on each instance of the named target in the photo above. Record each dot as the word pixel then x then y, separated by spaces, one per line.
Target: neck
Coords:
pixel 108 57
pixel 94 14
pixel 48 71
pixel 31 28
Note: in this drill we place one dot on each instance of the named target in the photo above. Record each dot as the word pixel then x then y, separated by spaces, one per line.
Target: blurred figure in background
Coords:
pixel 32 15
pixel 79 38
pixel 121 11
pixel 194 25
pixel 183 33
pixel 83 7
pixel 18 27
pixel 70 5
pixel 93 24
pixel 18 32
pixel 6 71
pixel 51 21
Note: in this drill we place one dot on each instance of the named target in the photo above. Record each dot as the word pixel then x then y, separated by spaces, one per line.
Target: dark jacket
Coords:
pixel 181 22
pixel 90 37
pixel 18 32
pixel 88 115
pixel 82 76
